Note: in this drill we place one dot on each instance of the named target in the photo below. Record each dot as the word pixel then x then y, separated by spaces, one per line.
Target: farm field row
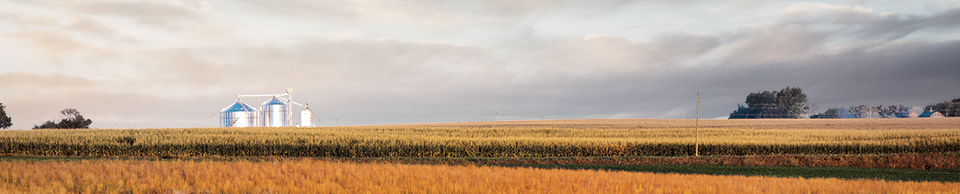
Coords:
pixel 892 161
pixel 560 138
pixel 897 161
pixel 829 124
pixel 305 175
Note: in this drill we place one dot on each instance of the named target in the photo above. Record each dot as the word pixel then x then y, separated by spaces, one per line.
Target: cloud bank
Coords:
pixel 153 64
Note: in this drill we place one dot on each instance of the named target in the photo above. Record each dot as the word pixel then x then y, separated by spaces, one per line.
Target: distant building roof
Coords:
pixel 239 107
pixel 274 101
pixel 931 115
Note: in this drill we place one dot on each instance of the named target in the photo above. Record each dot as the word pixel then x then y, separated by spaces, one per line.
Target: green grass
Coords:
pixel 944 175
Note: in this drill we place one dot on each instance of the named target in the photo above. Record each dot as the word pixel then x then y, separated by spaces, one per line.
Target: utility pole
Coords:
pixel 696 146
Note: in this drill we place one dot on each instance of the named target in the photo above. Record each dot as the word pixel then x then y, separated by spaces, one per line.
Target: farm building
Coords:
pixel 277 112
pixel 931 115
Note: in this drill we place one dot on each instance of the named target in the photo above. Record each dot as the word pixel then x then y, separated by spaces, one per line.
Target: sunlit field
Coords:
pixel 557 138
pixel 855 124
pixel 308 176
pixel 552 156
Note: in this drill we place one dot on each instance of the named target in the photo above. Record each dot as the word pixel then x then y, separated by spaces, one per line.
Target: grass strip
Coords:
pixel 942 175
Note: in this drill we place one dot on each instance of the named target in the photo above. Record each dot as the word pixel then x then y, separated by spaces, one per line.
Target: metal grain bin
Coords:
pixel 306 119
pixel 239 114
pixel 274 113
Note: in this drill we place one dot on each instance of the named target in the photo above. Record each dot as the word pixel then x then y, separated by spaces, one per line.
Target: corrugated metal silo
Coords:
pixel 239 114
pixel 274 113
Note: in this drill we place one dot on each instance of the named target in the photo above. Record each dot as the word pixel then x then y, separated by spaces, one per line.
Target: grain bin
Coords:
pixel 274 113
pixel 239 114
pixel 306 119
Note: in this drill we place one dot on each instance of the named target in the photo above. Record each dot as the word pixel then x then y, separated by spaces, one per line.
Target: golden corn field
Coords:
pixel 557 138
pixel 443 157
pixel 313 176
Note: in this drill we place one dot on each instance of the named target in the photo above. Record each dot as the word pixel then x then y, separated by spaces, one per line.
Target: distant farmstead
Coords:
pixel 278 112
pixel 931 115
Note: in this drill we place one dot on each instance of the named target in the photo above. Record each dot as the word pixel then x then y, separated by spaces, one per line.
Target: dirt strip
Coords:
pixel 898 161
pixel 902 161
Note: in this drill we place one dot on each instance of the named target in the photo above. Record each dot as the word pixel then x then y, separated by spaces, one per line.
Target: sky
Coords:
pixel 164 64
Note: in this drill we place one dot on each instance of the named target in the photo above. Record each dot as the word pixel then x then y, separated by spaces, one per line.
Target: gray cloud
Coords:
pixel 682 46
pixel 873 25
pixel 180 76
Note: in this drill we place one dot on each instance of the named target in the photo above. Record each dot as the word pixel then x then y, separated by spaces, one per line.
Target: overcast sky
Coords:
pixel 159 64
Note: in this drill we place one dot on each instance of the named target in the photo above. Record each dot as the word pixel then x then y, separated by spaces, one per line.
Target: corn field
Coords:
pixel 564 138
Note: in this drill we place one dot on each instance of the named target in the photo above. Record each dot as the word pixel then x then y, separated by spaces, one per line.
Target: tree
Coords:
pixel 759 105
pixel 832 113
pixel 4 119
pixel 861 111
pixel 864 111
pixel 893 111
pixel 46 125
pixel 949 109
pixel 901 111
pixel 787 103
pixel 792 101
pixel 763 105
pixel 71 120
pixel 811 109
pixel 886 112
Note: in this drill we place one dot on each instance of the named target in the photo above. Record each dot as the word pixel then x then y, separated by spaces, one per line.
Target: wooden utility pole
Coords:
pixel 696 145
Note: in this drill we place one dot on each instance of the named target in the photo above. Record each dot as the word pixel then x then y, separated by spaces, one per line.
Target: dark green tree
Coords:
pixel 787 103
pixel 71 120
pixel 763 104
pixel 791 101
pixel 4 119
pixel 893 111
pixel 46 125
pixel 832 113
pixel 886 112
pixel 759 105
pixel 862 111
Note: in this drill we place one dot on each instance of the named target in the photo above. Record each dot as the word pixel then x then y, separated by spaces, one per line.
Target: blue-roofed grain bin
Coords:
pixel 274 113
pixel 239 114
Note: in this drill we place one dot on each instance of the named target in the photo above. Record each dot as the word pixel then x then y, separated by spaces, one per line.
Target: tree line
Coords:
pixel 948 109
pixel 864 111
pixel 791 102
pixel 70 119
